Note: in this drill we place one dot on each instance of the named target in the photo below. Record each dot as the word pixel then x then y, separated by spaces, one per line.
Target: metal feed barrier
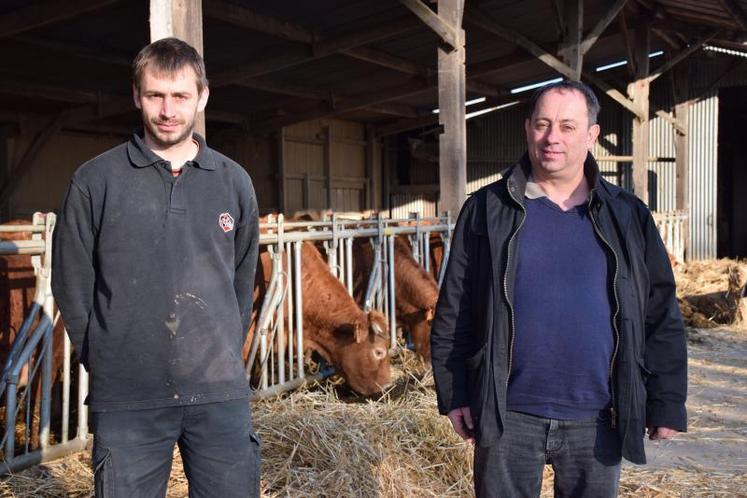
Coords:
pixel 30 358
pixel 281 356
pixel 672 226
pixel 282 360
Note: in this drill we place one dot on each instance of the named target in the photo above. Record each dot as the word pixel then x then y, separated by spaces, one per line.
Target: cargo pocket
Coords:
pixel 103 472
pixel 476 381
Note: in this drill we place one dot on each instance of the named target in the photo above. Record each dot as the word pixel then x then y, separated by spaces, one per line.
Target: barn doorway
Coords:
pixel 732 174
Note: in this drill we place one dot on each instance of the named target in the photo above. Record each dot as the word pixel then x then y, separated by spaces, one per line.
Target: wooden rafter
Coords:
pixel 52 11
pixel 445 31
pixel 599 28
pixel 681 56
pixel 485 21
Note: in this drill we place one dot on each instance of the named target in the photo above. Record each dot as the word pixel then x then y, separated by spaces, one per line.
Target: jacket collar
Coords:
pixel 141 156
pixel 600 188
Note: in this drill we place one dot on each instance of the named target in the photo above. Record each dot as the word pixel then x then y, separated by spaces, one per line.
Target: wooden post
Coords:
pixel 682 160
pixel 638 91
pixel 282 203
pixel 181 19
pixel 370 159
pixel 574 24
pixel 451 97
pixel 328 146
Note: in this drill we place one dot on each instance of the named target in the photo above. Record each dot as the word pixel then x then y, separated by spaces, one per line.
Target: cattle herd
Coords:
pixel 335 326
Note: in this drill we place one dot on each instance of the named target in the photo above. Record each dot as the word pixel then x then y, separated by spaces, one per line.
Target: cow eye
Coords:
pixel 379 353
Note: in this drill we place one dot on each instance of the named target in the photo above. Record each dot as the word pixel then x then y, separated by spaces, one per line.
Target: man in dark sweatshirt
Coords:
pixel 154 260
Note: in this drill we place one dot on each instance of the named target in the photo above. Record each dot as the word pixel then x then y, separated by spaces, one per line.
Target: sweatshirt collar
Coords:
pixel 141 156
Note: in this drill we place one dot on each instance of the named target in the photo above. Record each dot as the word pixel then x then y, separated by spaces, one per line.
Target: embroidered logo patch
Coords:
pixel 225 220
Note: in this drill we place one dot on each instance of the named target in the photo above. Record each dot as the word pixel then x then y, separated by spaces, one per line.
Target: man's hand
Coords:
pixel 461 419
pixel 657 433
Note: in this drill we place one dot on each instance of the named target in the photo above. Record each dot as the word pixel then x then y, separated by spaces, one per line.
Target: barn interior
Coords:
pixel 330 104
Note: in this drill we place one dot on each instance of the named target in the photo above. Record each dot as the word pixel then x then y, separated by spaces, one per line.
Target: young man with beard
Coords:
pixel 154 259
pixel 557 337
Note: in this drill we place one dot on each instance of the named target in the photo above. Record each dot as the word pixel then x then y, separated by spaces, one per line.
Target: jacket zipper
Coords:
pixel 613 412
pixel 505 283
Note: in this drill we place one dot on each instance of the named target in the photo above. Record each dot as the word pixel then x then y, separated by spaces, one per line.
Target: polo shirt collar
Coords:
pixel 141 156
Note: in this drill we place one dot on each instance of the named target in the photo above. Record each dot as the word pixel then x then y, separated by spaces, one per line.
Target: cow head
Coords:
pixel 363 356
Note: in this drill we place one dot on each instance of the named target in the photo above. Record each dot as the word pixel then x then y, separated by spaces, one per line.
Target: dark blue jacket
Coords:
pixel 472 332
pixel 154 276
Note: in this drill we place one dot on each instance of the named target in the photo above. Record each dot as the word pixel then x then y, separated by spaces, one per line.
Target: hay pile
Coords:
pixel 710 293
pixel 323 441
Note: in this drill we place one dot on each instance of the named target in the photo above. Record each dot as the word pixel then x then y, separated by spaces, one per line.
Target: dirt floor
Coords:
pixel 317 444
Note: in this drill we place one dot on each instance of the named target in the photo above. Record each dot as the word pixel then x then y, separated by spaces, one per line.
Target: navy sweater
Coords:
pixel 563 337
pixel 154 276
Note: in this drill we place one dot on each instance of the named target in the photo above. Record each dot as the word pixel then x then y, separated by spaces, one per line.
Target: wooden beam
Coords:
pixel 446 31
pixel 384 59
pixel 666 38
pixel 599 28
pixel 246 18
pixel 345 104
pixel 452 89
pixel 639 92
pixel 682 115
pixel 628 45
pixel 42 14
pixel 484 21
pixel 181 19
pixel 14 86
pixel 681 56
pixel 571 46
pixel 22 168
pixel 87 52
pixel 323 48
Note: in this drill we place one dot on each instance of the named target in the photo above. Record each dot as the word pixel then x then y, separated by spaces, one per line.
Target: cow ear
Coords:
pixel 429 314
pixel 359 333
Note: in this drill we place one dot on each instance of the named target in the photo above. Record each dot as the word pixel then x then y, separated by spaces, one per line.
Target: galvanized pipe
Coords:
pixel 349 261
pixel 392 308
pixel 299 307
pixel 66 387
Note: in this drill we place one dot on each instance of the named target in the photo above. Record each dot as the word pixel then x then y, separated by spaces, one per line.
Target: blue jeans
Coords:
pixel 132 450
pixel 585 455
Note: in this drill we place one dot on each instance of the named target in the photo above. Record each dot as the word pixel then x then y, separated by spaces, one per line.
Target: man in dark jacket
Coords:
pixel 154 260
pixel 557 337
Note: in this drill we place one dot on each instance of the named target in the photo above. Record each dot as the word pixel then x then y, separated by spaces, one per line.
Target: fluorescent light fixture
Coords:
pixel 623 62
pixel 532 86
pixel 727 51
pixel 490 109
pixel 466 104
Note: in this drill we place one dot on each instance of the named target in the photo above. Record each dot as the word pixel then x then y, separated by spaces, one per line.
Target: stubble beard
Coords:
pixel 163 140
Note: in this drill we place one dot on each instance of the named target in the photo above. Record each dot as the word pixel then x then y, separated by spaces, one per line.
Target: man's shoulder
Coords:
pixel 101 165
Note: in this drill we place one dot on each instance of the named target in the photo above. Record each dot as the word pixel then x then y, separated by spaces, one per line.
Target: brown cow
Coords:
pixel 415 291
pixel 17 290
pixel 334 326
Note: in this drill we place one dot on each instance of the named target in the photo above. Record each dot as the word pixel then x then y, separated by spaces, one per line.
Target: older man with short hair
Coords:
pixel 557 337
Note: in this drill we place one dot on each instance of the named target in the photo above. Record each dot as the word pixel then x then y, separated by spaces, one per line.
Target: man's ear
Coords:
pixel 593 135
pixel 136 96
pixel 203 99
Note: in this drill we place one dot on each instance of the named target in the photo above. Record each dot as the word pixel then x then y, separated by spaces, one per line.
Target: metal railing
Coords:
pixel 278 350
pixel 672 226
pixel 32 352
pixel 278 336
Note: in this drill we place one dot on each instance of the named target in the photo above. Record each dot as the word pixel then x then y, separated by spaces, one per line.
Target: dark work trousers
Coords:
pixel 585 455
pixel 132 450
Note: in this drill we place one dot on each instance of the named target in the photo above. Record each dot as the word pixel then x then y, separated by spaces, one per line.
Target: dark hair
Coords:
pixel 592 104
pixel 169 55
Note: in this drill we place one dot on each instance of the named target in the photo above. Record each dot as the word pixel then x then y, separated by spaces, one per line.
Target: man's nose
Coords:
pixel 553 133
pixel 167 107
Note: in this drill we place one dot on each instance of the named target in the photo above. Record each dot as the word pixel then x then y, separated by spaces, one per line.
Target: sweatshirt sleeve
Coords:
pixel 246 249
pixel 73 276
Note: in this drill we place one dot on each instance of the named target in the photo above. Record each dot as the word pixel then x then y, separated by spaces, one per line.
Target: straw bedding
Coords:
pixel 324 441
pixel 711 293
